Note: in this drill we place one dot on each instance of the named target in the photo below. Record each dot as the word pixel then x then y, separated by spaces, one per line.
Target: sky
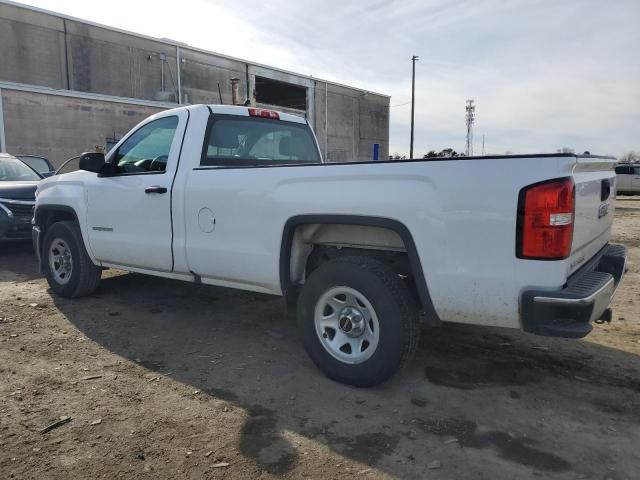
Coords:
pixel 544 74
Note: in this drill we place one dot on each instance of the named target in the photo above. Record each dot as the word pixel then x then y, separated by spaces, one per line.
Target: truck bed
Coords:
pixel 461 212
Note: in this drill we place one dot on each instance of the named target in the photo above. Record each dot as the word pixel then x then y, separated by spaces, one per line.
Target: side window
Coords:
pixel 40 165
pixel 636 170
pixel 623 170
pixel 147 149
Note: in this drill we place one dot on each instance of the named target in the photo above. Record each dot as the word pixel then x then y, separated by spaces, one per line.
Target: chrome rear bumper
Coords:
pixel 586 297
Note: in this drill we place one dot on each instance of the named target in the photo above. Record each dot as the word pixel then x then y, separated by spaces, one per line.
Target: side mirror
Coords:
pixel 92 161
pixel 108 170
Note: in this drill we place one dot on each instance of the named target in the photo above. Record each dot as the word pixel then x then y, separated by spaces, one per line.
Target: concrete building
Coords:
pixel 67 85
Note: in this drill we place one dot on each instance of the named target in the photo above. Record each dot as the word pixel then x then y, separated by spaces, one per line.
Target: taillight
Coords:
pixel 545 220
pixel 258 112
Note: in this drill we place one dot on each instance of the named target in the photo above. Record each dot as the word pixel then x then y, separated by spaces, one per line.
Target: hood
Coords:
pixel 18 190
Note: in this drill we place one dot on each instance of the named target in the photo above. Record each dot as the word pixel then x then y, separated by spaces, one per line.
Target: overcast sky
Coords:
pixel 545 74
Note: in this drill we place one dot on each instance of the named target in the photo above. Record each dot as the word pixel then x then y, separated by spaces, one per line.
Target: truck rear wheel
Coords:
pixel 65 262
pixel 358 321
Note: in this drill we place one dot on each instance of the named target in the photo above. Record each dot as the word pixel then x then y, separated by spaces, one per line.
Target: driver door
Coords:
pixel 129 214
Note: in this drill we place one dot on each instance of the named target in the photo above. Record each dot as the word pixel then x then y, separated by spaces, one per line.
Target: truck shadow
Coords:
pixel 479 390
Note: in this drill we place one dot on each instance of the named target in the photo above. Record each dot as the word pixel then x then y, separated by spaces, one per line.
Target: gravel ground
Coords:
pixel 162 379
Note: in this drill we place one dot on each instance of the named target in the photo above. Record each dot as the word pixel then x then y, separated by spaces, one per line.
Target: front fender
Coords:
pixel 67 195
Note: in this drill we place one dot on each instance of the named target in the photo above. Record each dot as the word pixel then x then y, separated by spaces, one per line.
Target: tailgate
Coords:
pixel 595 187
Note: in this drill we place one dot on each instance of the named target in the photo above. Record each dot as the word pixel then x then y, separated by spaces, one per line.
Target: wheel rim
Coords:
pixel 60 261
pixel 347 325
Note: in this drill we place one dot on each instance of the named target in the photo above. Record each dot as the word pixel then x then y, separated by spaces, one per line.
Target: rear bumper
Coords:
pixel 586 297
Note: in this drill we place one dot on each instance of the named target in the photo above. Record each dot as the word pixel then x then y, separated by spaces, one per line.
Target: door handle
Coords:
pixel 155 189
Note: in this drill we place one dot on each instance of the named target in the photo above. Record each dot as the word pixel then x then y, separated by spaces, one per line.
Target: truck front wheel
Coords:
pixel 65 262
pixel 358 321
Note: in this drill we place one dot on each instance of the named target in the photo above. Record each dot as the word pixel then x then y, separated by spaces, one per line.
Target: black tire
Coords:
pixel 395 308
pixel 85 276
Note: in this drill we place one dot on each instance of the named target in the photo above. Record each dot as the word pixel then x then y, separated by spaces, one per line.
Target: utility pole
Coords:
pixel 413 101
pixel 470 118
pixel 483 145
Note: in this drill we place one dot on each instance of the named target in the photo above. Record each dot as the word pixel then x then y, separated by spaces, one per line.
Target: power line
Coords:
pixel 400 104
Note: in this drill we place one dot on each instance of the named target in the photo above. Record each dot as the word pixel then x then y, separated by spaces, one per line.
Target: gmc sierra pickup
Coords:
pixel 240 197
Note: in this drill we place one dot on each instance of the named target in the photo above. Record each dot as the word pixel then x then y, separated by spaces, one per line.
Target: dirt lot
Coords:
pixel 169 380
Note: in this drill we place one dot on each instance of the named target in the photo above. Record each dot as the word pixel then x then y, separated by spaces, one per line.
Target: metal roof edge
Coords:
pixel 22 87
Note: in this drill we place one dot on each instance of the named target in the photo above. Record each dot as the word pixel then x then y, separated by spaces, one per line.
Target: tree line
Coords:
pixel 445 152
pixel 629 157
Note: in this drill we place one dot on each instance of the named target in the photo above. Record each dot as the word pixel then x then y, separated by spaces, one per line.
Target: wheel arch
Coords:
pixel 46 215
pixel 399 228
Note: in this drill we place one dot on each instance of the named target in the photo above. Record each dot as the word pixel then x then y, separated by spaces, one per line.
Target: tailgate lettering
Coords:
pixel 603 210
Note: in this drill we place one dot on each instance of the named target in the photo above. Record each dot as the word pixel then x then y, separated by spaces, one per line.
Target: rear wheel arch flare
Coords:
pixel 359 220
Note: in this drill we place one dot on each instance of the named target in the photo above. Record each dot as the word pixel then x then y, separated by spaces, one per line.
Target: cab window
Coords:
pixel 245 141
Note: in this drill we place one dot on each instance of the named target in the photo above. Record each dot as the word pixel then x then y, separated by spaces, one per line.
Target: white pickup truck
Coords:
pixel 239 197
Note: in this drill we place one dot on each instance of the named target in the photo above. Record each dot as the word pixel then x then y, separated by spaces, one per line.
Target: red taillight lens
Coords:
pixel 257 112
pixel 545 220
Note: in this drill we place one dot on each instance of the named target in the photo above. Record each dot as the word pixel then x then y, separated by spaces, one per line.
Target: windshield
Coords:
pixel 256 141
pixel 13 170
